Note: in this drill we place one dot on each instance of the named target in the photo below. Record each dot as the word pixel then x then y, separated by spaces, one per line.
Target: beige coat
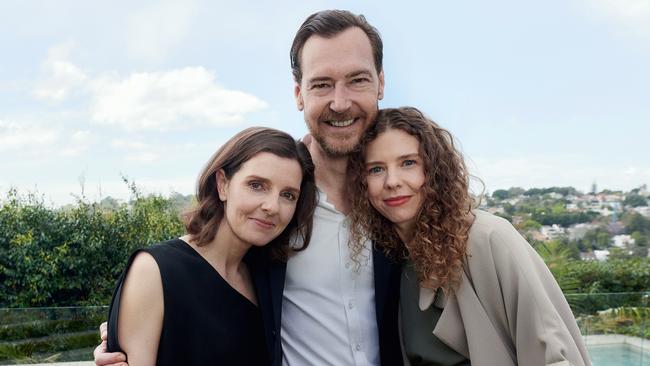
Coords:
pixel 508 310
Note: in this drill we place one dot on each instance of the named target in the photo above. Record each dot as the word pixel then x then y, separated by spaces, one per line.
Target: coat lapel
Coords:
pixel 382 268
pixel 269 284
pixel 386 280
pixel 450 328
pixel 276 279
pixel 465 327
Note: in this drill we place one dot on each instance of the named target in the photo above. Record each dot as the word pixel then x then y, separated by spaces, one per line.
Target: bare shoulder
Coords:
pixel 144 266
pixel 142 285
pixel 141 310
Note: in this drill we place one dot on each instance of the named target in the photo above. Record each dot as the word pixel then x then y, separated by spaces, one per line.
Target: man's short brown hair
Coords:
pixel 328 23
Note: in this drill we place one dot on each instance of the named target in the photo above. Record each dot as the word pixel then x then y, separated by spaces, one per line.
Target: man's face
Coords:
pixel 339 90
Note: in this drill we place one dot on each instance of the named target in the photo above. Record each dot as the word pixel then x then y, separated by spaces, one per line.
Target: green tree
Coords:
pixel 558 209
pixel 516 191
pixel 109 204
pixel 640 252
pixel 618 254
pixel 530 224
pixel 640 240
pixel 597 238
pixel 72 256
pixel 603 240
pixel 509 209
pixel 561 190
pixel 500 194
pixel 557 256
pixel 640 248
pixel 635 200
pixel 636 222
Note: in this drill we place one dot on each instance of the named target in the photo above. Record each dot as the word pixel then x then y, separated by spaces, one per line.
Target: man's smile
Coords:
pixel 344 123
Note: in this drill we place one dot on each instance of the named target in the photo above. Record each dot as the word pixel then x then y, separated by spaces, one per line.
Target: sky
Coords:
pixel 537 94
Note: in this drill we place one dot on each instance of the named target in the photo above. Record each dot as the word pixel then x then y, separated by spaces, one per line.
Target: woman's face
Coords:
pixel 260 198
pixel 395 175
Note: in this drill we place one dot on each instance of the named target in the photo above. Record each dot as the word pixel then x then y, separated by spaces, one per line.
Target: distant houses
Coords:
pixel 597 224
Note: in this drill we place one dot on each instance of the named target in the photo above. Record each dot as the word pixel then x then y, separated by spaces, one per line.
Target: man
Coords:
pixel 331 308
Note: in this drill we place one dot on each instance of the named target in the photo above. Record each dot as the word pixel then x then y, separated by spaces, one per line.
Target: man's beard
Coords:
pixel 335 151
pixel 332 150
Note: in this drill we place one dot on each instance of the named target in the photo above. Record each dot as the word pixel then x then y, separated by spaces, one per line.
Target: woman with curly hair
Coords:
pixel 473 291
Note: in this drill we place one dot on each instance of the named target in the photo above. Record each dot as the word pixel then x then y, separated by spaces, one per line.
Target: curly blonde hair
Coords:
pixel 439 244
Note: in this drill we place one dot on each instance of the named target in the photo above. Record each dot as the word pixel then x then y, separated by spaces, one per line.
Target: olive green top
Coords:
pixel 421 347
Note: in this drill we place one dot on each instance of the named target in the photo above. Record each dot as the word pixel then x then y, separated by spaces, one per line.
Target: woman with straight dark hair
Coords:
pixel 191 300
pixel 473 291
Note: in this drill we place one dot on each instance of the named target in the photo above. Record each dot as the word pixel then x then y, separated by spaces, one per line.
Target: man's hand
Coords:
pixel 103 358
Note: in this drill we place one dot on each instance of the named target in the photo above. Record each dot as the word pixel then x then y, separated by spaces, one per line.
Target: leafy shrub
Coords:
pixel 597 286
pixel 74 255
pixel 629 275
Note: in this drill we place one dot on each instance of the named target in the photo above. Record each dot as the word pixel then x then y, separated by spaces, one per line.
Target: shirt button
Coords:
pixel 347 265
pixel 350 305
pixel 358 347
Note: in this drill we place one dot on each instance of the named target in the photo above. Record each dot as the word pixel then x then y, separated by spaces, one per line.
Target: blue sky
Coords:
pixel 538 94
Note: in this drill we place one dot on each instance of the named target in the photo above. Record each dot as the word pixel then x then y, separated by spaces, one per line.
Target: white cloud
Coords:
pixel 633 15
pixel 33 140
pixel 72 151
pixel 162 101
pixel 154 30
pixel 136 151
pixel 83 136
pixel 61 76
pixel 145 157
pixel 14 136
pixel 80 142
pixel 129 144
pixel 164 186
pixel 631 170
pixel 169 101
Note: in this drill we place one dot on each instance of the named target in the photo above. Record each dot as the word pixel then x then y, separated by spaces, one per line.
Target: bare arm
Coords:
pixel 141 311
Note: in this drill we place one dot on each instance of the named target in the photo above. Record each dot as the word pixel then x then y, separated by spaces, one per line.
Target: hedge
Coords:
pixel 73 255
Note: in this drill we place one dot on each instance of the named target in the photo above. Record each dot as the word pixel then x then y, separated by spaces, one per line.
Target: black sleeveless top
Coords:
pixel 206 321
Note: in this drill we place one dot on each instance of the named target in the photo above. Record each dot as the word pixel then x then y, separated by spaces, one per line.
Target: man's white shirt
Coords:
pixel 328 305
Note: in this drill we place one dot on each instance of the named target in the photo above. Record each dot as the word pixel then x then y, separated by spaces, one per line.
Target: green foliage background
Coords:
pixel 73 255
